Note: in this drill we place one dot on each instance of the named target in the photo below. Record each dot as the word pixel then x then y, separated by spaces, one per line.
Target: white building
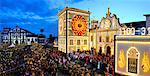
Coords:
pixel 18 36
pixel 41 39
pixel 32 39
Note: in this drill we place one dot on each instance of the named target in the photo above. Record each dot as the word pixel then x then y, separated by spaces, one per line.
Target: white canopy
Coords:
pixel 12 45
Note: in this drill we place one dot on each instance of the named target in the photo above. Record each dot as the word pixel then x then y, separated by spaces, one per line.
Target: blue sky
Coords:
pixel 36 14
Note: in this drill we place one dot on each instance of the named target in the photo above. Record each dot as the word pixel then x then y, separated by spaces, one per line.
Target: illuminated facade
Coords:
pixel 81 36
pixel 73 27
pixel 135 56
pixel 102 36
pixel 132 49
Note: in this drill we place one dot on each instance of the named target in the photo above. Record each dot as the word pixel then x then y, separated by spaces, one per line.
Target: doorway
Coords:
pixel 108 50
pixel 133 60
pixel 16 41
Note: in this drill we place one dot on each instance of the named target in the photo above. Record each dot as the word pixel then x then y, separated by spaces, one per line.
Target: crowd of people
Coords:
pixel 82 63
pixel 54 63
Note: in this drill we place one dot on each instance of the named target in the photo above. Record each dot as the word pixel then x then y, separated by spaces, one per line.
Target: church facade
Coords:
pixel 103 33
pixel 81 35
pixel 19 35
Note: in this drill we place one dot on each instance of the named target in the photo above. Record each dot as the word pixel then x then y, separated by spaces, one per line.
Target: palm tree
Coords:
pixel 41 30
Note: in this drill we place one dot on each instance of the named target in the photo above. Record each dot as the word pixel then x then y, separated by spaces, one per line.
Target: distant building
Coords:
pixel 32 39
pixel 147 20
pixel 19 36
pixel 41 39
pixel 5 35
pixel 136 28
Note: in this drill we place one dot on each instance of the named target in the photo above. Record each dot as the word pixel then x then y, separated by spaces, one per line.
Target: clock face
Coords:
pixel 79 25
pixel 107 23
pixel 61 26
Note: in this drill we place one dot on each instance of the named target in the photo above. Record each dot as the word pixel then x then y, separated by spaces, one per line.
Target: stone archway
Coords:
pixel 100 51
pixel 133 60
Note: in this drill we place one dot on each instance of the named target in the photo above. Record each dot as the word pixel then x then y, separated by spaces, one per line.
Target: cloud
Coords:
pixel 32 14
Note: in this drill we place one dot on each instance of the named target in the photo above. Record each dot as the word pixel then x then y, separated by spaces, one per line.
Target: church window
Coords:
pixel 71 42
pixel 107 38
pixel 78 42
pixel 85 42
pixel 100 39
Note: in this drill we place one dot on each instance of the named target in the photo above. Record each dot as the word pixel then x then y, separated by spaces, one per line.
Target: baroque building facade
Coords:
pixel 102 33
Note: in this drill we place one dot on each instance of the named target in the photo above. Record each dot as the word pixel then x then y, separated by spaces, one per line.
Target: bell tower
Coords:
pixel 73 30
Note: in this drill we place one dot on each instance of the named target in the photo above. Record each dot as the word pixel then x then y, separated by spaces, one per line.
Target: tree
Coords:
pixel 41 30
pixel 51 38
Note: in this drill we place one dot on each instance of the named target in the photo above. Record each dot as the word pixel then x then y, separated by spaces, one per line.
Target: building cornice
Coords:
pixel 72 9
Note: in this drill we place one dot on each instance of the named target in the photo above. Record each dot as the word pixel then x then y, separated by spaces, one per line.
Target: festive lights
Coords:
pixel 61 25
pixel 121 61
pixel 131 31
pixel 145 62
pixel 79 25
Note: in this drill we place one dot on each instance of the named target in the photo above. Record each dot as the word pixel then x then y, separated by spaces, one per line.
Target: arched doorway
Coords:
pixel 16 42
pixel 100 51
pixel 108 50
pixel 133 60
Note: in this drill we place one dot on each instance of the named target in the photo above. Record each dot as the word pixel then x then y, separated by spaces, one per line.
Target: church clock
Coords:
pixel 79 25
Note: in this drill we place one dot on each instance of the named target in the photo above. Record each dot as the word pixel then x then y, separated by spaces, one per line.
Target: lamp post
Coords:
pixel 66 29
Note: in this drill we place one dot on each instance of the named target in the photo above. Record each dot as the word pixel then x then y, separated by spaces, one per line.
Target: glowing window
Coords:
pixel 78 42
pixel 100 39
pixel 71 42
pixel 107 38
pixel 85 42
pixel 91 38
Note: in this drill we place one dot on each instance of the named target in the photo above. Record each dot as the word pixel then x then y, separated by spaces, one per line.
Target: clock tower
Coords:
pixel 73 25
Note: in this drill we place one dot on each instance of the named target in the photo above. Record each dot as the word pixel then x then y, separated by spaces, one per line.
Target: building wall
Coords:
pixel 148 21
pixel 62 43
pixel 30 39
pixel 123 46
pixel 71 35
pixel 104 43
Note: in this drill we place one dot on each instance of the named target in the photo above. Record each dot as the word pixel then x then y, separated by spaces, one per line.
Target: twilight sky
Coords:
pixel 36 14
